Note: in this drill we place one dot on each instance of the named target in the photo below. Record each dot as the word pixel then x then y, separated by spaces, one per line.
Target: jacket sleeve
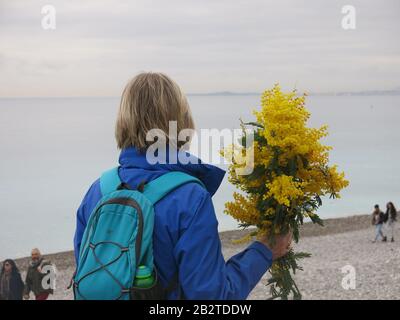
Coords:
pixel 203 272
pixel 80 228
pixel 90 200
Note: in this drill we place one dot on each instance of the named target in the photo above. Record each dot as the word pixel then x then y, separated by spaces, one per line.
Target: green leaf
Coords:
pixel 316 219
pixel 281 283
pixel 255 124
pixel 319 200
pixel 292 167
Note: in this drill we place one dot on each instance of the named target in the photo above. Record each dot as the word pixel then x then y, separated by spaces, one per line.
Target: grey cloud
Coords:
pixel 241 45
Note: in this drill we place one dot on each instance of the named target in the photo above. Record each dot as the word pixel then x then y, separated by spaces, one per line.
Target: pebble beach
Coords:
pixel 343 245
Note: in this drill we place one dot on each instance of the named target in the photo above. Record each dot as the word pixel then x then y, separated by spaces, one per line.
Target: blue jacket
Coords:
pixel 186 233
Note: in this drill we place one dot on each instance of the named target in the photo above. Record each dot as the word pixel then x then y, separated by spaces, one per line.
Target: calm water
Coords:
pixel 52 150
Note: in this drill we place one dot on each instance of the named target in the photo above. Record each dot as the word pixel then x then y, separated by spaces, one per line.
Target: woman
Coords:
pixel 11 284
pixel 391 214
pixel 185 238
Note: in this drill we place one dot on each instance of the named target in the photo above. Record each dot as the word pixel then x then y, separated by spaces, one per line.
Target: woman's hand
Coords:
pixel 281 245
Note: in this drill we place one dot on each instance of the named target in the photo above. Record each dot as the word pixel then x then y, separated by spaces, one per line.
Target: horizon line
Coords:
pixel 230 93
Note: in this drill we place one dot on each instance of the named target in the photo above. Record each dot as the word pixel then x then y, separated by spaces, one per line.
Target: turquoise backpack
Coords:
pixel 119 238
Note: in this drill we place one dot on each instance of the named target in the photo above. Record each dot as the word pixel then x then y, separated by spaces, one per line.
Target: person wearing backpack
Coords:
pixel 147 229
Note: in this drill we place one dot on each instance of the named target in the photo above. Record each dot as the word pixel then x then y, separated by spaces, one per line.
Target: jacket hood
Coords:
pixel 160 162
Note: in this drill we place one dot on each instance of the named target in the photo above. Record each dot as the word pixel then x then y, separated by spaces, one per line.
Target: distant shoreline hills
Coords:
pixel 394 92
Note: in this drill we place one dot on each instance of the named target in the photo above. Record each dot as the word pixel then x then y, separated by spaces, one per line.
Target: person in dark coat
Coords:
pixel 390 219
pixel 11 284
pixel 378 218
pixel 35 275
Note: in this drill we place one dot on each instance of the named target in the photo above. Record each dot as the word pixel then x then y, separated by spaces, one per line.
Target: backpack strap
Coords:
pixel 156 189
pixel 109 181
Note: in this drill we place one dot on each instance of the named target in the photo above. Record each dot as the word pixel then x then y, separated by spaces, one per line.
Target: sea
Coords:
pixel 52 149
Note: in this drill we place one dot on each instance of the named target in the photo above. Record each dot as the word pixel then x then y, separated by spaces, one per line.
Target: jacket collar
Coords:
pixel 210 175
pixel 35 264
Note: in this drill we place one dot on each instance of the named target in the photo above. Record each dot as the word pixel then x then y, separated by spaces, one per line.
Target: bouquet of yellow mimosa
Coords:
pixel 290 173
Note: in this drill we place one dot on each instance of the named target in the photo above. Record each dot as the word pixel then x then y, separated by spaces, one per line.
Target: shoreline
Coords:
pixel 64 259
pixel 342 242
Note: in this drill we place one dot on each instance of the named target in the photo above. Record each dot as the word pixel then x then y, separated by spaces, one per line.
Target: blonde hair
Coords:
pixel 150 101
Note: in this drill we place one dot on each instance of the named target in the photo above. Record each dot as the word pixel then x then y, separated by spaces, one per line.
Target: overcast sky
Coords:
pixel 206 46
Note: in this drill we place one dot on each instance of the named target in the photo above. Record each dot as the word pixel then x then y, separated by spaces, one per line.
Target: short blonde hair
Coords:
pixel 150 101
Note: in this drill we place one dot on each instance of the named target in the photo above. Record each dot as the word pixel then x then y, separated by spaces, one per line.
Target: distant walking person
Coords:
pixel 35 275
pixel 377 221
pixel 390 219
pixel 11 284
